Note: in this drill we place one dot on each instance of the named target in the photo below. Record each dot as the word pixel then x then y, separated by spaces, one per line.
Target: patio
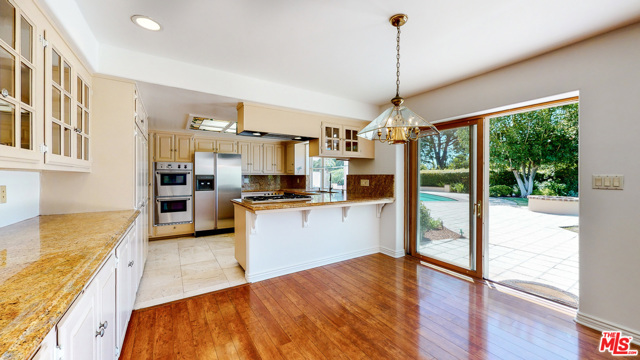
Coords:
pixel 522 245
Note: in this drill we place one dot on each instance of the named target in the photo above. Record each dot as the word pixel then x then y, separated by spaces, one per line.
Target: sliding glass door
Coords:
pixel 446 208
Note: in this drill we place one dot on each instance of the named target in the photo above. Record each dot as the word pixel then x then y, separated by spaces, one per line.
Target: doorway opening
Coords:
pixel 533 223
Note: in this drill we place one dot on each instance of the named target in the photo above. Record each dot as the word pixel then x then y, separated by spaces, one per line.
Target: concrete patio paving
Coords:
pixel 522 245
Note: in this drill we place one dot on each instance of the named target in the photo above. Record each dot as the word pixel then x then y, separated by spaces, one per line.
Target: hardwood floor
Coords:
pixel 372 307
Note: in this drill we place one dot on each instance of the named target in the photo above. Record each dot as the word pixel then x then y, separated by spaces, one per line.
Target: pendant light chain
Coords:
pixel 398 63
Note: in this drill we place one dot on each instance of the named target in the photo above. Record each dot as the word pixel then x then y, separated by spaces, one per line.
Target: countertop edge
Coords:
pixel 299 206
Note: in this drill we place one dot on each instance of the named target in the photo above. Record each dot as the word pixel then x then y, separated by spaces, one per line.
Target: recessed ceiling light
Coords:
pixel 146 22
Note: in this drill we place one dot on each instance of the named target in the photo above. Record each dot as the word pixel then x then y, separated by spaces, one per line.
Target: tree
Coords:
pixel 437 151
pixel 524 142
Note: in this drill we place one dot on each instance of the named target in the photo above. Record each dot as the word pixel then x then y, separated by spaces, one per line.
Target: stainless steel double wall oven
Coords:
pixel 173 193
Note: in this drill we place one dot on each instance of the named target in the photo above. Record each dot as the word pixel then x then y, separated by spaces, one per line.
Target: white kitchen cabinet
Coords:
pixel 227 146
pixel 296 163
pixel 341 141
pixel 130 259
pixel 141 168
pixel 47 348
pixel 269 160
pixel 140 114
pixel 68 107
pixel 255 166
pixel 251 157
pixel 87 330
pixel 273 160
pixel 213 145
pixel 244 148
pixel 170 147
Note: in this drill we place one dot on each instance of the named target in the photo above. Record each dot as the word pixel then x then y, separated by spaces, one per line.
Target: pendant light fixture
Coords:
pixel 398 124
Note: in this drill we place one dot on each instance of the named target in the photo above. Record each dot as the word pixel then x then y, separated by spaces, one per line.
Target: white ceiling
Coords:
pixel 347 48
pixel 342 50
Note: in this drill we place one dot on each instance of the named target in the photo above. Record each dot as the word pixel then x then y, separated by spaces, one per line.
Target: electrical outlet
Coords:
pixel 3 194
pixel 364 182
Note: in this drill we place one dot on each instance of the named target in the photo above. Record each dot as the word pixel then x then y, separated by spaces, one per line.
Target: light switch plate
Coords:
pixel 607 182
pixel 364 182
pixel 3 194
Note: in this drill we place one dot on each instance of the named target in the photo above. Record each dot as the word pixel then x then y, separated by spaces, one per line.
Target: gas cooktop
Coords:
pixel 286 197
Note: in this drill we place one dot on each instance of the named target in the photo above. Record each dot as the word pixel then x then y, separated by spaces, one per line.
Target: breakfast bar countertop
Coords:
pixel 45 262
pixel 338 198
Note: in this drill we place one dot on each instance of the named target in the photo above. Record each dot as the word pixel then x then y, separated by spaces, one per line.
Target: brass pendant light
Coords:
pixel 398 124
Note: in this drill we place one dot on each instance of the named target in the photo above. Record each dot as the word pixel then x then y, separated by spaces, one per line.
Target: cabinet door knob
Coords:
pixel 104 325
pixel 130 263
pixel 100 332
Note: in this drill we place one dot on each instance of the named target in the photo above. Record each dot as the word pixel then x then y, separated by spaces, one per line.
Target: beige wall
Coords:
pixel 110 185
pixel 604 70
pixel 390 161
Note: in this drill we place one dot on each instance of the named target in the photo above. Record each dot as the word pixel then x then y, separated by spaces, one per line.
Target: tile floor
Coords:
pixel 523 245
pixel 188 266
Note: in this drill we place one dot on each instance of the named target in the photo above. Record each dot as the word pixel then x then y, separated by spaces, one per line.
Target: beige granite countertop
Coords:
pixel 317 199
pixel 45 262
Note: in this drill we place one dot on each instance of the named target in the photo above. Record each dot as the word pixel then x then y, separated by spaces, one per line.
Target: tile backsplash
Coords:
pixel 379 185
pixel 274 182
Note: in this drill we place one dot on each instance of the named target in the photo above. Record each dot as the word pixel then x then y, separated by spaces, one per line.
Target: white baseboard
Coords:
pixel 392 253
pixel 603 325
pixel 253 277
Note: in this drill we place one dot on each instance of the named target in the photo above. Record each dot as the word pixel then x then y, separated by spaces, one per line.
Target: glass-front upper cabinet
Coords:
pixel 17 74
pixel 68 110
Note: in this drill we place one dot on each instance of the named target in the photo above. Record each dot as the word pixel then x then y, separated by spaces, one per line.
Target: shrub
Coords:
pixel 459 188
pixel 500 190
pixel 553 188
pixel 443 177
pixel 501 177
pixel 427 222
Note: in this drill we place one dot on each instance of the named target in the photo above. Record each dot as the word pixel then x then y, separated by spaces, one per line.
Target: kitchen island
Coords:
pixel 274 239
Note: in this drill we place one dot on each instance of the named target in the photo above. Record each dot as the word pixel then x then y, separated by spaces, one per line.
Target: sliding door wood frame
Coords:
pixel 413 186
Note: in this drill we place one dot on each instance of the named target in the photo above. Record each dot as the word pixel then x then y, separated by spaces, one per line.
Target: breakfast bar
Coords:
pixel 279 238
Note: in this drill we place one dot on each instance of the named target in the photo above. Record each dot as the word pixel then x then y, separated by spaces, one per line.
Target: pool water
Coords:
pixel 430 197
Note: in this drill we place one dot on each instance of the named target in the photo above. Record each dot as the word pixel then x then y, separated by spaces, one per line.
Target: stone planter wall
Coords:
pixel 561 205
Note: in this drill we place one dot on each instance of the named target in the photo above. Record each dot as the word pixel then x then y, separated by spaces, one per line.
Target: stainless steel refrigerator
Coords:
pixel 218 179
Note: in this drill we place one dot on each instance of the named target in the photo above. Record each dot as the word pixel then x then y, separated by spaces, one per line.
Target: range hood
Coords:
pixel 270 122
pixel 266 135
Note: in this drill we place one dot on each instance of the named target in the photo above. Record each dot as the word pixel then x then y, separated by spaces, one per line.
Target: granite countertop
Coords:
pixel 45 262
pixel 317 199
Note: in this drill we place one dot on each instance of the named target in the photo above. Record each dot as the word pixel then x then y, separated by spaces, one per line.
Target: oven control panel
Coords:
pixel 174 166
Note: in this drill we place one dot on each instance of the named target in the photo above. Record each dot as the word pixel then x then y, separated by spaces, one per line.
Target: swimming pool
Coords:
pixel 431 197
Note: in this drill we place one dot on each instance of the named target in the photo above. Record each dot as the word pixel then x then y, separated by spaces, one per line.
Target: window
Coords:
pixel 328 173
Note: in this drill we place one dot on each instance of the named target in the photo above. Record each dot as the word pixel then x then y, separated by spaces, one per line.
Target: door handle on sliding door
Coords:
pixel 478 209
